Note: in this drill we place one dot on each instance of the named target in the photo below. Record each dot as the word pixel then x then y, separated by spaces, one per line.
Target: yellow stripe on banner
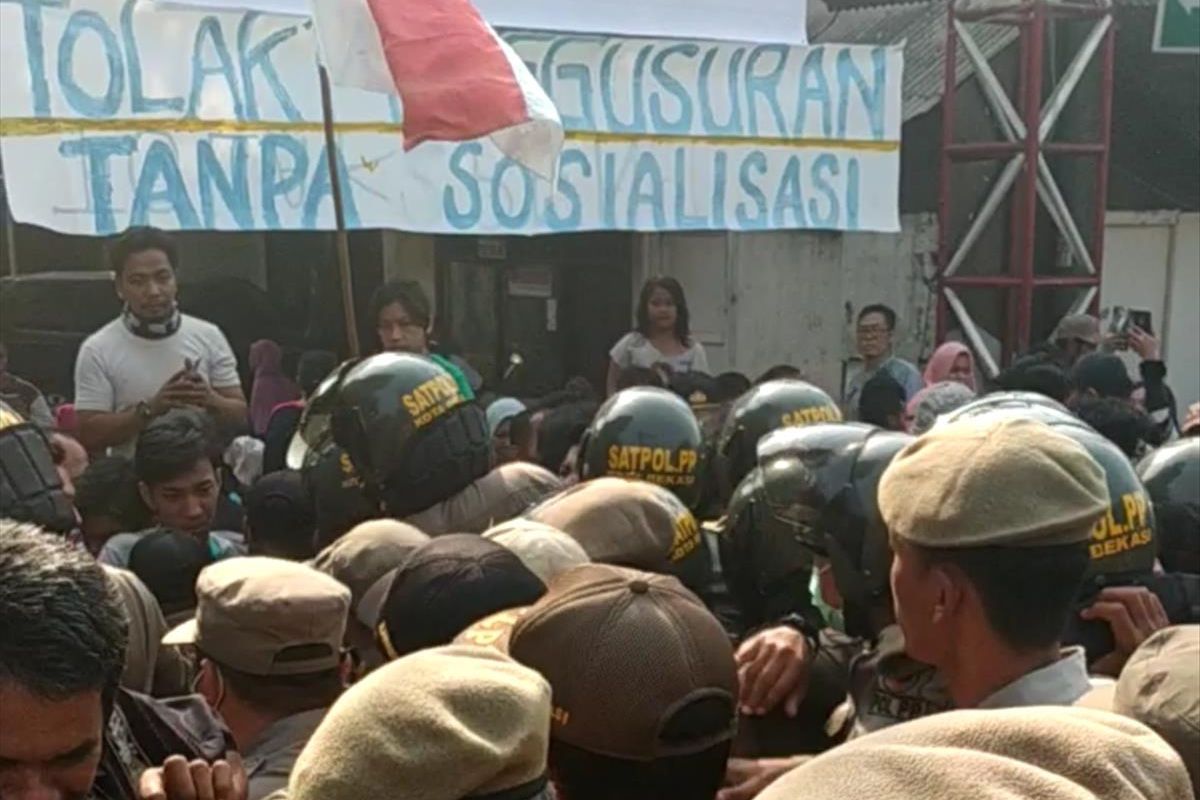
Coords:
pixel 51 126
pixel 603 137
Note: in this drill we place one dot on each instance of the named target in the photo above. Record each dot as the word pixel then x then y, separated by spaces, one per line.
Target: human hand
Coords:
pixel 1134 613
pixel 179 391
pixel 1142 343
pixel 187 389
pixel 1114 342
pixel 773 667
pixel 179 779
pixel 1191 423
pixel 746 777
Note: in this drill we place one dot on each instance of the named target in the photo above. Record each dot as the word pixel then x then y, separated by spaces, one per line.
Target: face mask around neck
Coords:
pixel 145 329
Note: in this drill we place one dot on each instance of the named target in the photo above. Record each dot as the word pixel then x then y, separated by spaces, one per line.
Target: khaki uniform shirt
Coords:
pixel 150 668
pixel 504 493
pixel 269 759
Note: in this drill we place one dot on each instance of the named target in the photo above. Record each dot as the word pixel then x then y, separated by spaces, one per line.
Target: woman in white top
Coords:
pixel 662 338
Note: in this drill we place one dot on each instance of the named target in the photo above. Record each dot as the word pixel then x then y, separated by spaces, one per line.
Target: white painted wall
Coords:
pixel 759 299
pixel 1152 262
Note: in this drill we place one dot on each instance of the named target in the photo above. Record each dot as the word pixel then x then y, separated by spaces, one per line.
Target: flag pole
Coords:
pixel 341 237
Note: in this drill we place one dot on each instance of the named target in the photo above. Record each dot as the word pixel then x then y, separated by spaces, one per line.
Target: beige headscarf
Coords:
pixel 1047 753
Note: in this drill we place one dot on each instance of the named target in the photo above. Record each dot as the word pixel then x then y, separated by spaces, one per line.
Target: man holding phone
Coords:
pixel 152 358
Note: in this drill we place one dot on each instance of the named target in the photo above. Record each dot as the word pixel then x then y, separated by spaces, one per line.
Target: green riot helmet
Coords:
pixel 31 489
pixel 315 427
pixel 766 407
pixel 820 485
pixel 647 434
pixel 1123 544
pixel 765 567
pixel 339 496
pixel 1011 401
pixel 409 431
pixel 1171 475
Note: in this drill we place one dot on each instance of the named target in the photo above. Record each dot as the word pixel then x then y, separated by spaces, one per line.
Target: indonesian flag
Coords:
pixel 456 79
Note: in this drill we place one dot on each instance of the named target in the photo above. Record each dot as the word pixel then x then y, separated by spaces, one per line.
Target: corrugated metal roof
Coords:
pixel 922 28
pixel 921 25
pixel 841 5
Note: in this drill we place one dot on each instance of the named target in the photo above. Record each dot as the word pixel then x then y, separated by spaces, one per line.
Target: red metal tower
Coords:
pixel 1026 177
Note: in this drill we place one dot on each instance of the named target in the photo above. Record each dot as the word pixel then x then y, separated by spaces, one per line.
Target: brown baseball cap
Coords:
pixel 625 522
pixel 364 559
pixel 267 616
pixel 625 652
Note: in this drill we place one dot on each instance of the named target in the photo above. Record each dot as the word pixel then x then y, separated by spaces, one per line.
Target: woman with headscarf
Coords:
pixel 313 367
pixel 271 387
pixel 952 361
pixel 931 402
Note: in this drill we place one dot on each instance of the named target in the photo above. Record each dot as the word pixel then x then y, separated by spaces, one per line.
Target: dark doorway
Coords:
pixel 558 301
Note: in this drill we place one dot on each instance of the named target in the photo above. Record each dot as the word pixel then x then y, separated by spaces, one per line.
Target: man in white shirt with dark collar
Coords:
pixel 152 358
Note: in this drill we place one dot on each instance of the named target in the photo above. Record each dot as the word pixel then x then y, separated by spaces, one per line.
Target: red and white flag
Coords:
pixel 456 79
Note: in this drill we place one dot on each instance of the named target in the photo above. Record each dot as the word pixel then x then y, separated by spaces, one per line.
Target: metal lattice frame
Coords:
pixel 1026 141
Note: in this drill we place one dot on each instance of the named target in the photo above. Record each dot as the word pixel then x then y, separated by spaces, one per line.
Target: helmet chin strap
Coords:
pixel 151 329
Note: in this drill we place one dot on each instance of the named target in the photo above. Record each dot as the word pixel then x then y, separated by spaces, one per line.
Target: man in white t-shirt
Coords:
pixel 152 358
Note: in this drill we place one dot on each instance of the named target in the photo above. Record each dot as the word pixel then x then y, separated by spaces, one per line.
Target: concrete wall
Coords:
pixel 759 299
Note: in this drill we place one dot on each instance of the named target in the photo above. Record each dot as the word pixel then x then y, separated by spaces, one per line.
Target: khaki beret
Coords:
pixel 440 724
pixel 545 550
pixel 502 494
pixel 1048 753
pixel 624 522
pixel 363 560
pixel 980 482
pixel 1160 687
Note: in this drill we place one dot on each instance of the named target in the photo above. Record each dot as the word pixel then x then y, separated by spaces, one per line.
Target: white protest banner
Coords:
pixel 126 112
pixel 772 21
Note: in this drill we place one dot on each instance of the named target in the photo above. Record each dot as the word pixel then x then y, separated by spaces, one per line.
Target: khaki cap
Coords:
pixel 506 491
pixel 624 651
pixel 1042 752
pixel 364 558
pixel 441 724
pixel 624 522
pixel 1083 327
pixel 547 551
pixel 981 482
pixel 253 610
pixel 1160 687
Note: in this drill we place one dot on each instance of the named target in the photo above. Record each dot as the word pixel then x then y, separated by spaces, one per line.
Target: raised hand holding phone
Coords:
pixel 187 388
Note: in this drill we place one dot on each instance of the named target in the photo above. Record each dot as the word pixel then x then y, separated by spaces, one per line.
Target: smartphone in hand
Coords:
pixel 1141 318
pixel 191 371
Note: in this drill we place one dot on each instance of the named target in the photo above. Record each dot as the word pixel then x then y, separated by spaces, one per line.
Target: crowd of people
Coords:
pixel 381 579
